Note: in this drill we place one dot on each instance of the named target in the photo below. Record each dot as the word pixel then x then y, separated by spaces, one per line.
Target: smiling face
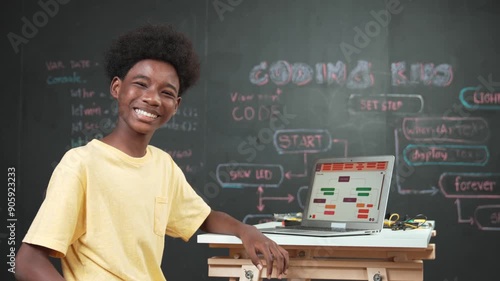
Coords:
pixel 147 97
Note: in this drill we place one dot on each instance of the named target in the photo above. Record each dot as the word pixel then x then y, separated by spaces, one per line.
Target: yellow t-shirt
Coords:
pixel 106 213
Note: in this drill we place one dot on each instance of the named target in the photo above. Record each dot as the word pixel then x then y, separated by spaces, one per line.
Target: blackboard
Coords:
pixel 283 83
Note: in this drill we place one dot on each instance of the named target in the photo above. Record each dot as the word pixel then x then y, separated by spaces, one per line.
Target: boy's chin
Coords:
pixel 145 131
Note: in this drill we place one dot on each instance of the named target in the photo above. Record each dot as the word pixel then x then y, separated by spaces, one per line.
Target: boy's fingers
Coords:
pixel 255 259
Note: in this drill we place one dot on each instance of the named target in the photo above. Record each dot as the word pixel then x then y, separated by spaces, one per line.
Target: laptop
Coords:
pixel 347 196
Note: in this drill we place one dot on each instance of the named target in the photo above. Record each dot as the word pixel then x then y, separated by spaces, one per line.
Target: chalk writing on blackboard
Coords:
pixel 360 76
pixel 92 112
pixel 487 217
pixel 394 103
pixel 479 98
pixel 255 107
pixel 302 140
pixel 446 129
pixel 439 141
pixel 186 119
pixel 74 78
pixel 463 155
pixel 421 73
pixel 72 64
pixel 283 72
pixel 238 175
pixel 185 159
pixel 470 185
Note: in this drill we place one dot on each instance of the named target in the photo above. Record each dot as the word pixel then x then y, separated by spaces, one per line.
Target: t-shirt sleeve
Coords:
pixel 61 217
pixel 188 209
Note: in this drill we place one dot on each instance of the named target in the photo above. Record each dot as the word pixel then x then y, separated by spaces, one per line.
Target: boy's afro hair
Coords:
pixel 157 42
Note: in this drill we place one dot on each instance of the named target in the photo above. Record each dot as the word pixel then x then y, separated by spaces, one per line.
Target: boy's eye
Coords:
pixel 169 94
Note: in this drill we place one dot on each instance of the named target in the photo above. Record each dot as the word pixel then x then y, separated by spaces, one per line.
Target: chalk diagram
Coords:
pixel 262 176
pixel 434 154
pixel 457 146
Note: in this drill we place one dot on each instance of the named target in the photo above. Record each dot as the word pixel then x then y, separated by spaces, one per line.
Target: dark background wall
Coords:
pixel 416 79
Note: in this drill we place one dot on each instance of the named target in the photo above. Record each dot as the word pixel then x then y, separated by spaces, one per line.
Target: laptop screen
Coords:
pixel 347 192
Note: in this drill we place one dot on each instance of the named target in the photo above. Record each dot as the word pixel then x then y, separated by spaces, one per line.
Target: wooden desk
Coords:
pixel 390 255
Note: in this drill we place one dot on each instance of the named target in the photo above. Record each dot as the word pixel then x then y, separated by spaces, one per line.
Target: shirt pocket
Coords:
pixel 161 216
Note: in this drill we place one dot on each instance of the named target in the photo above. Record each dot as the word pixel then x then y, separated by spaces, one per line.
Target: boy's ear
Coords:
pixel 179 99
pixel 114 87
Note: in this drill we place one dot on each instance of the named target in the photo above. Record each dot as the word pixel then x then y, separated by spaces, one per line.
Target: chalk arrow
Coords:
pixel 289 174
pixel 260 190
pixel 432 191
pixel 346 145
pixel 459 212
pixel 261 206
pixel 288 198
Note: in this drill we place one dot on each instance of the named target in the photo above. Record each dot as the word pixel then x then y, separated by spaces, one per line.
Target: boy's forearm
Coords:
pixel 33 263
pixel 222 223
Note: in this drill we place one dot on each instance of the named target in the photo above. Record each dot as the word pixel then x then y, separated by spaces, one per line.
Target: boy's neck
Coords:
pixel 134 147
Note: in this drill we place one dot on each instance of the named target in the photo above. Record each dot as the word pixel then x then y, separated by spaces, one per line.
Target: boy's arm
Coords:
pixel 33 263
pixel 253 241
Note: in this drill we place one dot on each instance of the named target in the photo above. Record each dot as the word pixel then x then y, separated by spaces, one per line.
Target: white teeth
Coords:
pixel 142 112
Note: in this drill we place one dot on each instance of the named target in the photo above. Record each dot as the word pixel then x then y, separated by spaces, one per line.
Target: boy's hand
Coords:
pixel 255 242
